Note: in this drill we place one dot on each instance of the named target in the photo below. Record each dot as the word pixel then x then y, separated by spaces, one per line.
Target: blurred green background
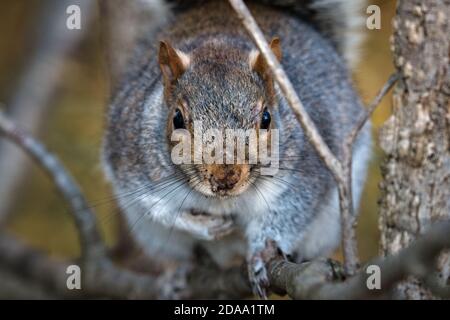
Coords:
pixel 75 120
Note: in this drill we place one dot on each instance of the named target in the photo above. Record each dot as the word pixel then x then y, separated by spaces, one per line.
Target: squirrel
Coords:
pixel 203 66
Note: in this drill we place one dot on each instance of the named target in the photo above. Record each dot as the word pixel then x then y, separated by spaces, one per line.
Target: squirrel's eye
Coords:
pixel 178 121
pixel 265 120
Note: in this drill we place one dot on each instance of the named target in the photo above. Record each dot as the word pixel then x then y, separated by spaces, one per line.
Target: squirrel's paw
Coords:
pixel 258 277
pixel 257 270
pixel 208 227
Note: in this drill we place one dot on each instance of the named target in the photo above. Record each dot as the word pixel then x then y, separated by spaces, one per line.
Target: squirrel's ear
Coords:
pixel 275 45
pixel 257 61
pixel 173 62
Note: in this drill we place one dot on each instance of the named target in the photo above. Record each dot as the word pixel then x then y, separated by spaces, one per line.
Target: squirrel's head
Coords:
pixel 220 97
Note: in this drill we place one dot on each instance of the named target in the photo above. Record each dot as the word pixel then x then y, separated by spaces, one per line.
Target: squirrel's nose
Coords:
pixel 225 177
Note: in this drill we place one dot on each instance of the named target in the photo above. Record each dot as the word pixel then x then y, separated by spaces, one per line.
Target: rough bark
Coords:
pixel 416 191
pixel 416 138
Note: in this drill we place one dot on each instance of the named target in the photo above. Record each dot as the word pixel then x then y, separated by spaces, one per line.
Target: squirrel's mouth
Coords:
pixel 210 191
pixel 223 181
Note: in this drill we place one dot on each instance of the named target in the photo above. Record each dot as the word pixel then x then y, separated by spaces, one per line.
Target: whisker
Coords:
pixel 178 213
pixel 145 193
pixel 149 210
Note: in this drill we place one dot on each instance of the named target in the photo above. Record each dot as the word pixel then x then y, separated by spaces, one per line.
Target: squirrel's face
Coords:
pixel 220 104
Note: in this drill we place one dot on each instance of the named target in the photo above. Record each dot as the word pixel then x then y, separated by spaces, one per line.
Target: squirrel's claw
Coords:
pixel 257 270
pixel 258 277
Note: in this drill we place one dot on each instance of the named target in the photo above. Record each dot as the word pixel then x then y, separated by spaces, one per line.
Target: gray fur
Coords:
pixel 298 209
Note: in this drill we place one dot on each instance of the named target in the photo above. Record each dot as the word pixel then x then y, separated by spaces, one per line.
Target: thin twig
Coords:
pixel 84 217
pixel 317 279
pixel 371 109
pixel 345 194
pixel 101 276
pixel 340 170
pixel 37 84
pixel 288 90
pixel 334 165
pixel 419 259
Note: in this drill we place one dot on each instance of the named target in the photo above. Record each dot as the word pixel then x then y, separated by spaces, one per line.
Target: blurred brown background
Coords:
pixel 75 118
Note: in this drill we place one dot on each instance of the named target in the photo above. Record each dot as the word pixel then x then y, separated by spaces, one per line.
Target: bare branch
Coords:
pixel 37 85
pixel 104 279
pixel 371 109
pixel 319 279
pixel 286 86
pixel 345 190
pixel 14 287
pixel 334 165
pixel 340 170
pixel 316 279
pixel 44 277
pixel 101 276
pixel 313 280
pixel 418 259
pixel 82 214
pixel 31 273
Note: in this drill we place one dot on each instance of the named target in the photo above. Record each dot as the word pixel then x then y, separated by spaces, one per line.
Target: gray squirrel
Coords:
pixel 202 65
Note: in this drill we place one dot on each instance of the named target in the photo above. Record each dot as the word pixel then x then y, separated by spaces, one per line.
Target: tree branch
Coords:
pixel 101 276
pixel 82 214
pixel 30 100
pixel 340 170
pixel 345 193
pixel 317 279
pixel 321 279
pixel 331 161
pixel 370 110
pixel 418 259
pixel 31 273
pixel 288 90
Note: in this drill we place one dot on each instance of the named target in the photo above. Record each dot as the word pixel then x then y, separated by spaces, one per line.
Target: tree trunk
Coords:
pixel 416 138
